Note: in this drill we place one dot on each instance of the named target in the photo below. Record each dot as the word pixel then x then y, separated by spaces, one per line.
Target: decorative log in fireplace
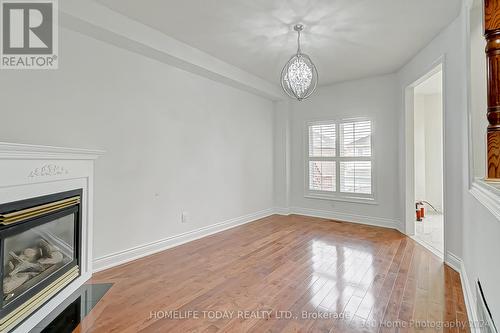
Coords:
pixel 39 252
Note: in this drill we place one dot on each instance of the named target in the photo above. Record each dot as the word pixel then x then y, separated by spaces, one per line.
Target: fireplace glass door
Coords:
pixel 34 255
pixel 39 252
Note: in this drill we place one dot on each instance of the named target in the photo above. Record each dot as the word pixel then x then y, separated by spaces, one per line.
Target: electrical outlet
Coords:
pixel 185 217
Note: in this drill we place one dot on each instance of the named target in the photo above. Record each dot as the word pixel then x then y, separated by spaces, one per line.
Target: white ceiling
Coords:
pixel 433 85
pixel 347 39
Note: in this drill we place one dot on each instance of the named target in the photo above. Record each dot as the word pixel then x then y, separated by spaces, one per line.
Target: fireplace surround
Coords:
pixel 46 223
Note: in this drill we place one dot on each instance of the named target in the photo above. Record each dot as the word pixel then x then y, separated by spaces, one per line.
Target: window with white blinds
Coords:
pixel 322 176
pixel 322 140
pixel 355 139
pixel 339 159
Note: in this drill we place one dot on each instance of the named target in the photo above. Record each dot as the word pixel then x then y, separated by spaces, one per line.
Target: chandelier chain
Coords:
pixel 299 51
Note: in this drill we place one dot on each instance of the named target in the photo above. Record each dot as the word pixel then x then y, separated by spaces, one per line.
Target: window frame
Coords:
pixel 337 195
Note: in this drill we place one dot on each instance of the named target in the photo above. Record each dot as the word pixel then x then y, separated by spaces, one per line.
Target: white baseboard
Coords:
pixel 457 264
pixel 437 252
pixel 140 251
pixel 453 261
pixel 470 300
pixel 375 221
pixel 282 211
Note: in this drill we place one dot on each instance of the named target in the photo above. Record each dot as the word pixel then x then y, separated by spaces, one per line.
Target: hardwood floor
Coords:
pixel 326 276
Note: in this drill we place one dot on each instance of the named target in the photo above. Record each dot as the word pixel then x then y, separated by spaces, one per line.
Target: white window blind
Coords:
pixel 339 158
pixel 356 177
pixel 322 176
pixel 322 147
pixel 322 140
pixel 355 139
pixel 355 142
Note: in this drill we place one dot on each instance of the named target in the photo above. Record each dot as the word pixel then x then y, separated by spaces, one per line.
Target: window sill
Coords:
pixel 488 194
pixel 354 199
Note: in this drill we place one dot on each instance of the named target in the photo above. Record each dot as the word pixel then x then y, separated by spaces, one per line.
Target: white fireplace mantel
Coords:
pixel 23 151
pixel 28 171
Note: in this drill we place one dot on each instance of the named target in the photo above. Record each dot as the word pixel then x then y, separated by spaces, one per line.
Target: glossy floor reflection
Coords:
pixel 430 232
pixel 283 274
pixel 68 315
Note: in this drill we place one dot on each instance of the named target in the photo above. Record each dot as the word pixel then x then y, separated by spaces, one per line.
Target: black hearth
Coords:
pixel 39 252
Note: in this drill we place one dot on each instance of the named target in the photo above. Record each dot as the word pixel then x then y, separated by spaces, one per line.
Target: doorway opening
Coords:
pixel 428 172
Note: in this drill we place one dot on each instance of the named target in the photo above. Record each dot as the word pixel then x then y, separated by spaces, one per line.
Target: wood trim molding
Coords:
pixel 458 265
pixel 492 35
pixel 122 257
pixel 24 151
pixel 488 195
pixel 345 217
pixel 102 23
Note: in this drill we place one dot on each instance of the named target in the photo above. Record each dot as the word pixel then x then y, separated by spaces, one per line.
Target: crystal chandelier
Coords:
pixel 299 76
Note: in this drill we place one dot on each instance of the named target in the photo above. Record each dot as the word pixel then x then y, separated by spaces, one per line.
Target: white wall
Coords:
pixel 419 143
pixel 481 229
pixel 471 232
pixel 175 141
pixel 282 156
pixel 434 150
pixel 450 47
pixel 478 101
pixel 374 98
pixel 429 149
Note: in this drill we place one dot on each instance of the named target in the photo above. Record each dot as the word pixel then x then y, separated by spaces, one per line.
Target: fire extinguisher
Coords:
pixel 419 210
